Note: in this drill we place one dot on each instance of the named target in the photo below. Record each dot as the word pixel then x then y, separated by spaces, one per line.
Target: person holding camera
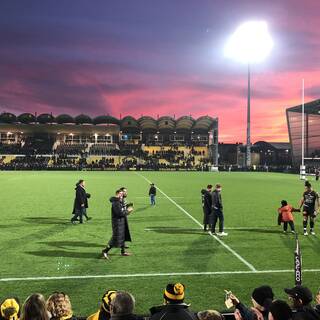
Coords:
pixel 120 227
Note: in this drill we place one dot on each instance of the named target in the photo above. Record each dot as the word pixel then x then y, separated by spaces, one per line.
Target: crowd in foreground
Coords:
pixel 118 305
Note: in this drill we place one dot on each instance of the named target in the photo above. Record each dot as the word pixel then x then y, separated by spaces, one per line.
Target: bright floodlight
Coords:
pixel 250 43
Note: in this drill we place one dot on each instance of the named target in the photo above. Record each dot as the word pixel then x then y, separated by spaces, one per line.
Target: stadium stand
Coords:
pixel 105 143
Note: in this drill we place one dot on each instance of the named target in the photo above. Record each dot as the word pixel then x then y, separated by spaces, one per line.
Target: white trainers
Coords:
pixel 305 233
pixel 293 232
pixel 222 234
pixel 313 233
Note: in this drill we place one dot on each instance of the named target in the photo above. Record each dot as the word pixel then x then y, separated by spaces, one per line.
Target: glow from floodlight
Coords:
pixel 250 43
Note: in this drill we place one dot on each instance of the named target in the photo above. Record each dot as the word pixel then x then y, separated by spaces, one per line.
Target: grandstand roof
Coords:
pixel 273 145
pixel 312 107
pixel 126 124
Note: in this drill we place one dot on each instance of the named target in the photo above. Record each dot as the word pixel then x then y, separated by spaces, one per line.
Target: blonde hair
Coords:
pixel 210 315
pixel 34 308
pixel 59 305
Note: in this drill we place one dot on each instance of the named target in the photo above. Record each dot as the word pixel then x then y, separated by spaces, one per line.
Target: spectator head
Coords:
pixel 152 184
pixel 210 315
pixel 122 304
pixel 209 187
pixel 218 187
pixel 279 310
pixel 10 309
pixel 106 300
pixel 299 295
pixel 34 308
pixel 174 293
pixel 284 203
pixel 262 297
pixel 59 306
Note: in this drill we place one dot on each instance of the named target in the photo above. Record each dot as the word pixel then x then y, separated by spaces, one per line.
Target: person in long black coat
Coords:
pixel 80 203
pixel 206 195
pixel 120 227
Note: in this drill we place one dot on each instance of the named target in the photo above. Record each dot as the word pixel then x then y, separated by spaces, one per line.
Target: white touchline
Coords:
pixel 148 275
pixel 249 265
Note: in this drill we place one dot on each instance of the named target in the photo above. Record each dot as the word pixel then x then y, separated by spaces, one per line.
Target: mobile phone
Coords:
pixel 227 301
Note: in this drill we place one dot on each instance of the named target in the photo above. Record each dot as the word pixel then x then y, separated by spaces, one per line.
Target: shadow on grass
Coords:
pixel 64 244
pixel 141 209
pixel 46 220
pixel 68 254
pixel 176 230
pixel 259 230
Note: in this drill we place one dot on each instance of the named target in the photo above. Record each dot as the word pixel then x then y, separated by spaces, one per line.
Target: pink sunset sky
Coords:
pixel 157 58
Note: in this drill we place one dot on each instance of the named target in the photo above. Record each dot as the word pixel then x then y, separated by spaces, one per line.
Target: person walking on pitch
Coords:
pixel 206 197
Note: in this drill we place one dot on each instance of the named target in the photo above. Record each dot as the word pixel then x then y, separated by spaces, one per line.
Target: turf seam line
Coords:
pixel 249 265
pixel 149 275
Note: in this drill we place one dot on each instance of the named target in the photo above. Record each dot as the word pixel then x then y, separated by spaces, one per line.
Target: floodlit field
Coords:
pixel 47 253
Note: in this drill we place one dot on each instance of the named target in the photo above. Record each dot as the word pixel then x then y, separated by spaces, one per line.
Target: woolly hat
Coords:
pixel 262 295
pixel 280 310
pixel 174 292
pixel 10 309
pixel 106 300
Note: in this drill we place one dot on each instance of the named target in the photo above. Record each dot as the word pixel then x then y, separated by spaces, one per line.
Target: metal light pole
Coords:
pixel 248 150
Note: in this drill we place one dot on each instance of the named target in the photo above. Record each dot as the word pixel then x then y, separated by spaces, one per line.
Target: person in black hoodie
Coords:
pixel 120 227
pixel 80 203
pixel 301 298
pixel 207 207
pixel 217 210
pixel 261 299
pixel 174 307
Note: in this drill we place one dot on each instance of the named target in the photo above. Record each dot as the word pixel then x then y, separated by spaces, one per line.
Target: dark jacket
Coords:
pixel 126 317
pixel 249 314
pixel 216 200
pixel 81 198
pixel 120 227
pixel 206 198
pixel 172 312
pixel 306 313
pixel 153 191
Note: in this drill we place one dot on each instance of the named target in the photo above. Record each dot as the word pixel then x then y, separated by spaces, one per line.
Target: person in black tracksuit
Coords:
pixel 80 203
pixel 217 210
pixel 206 198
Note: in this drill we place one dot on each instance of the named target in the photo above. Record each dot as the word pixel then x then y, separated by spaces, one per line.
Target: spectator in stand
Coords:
pixel 59 307
pixel 279 310
pixel 104 312
pixel 261 299
pixel 174 307
pixel 122 307
pixel 210 315
pixel 301 298
pixel 152 194
pixel 34 308
pixel 10 309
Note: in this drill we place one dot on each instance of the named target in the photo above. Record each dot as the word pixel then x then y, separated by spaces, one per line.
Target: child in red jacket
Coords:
pixel 286 216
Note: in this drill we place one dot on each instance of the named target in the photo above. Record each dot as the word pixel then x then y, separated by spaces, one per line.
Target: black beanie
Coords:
pixel 280 310
pixel 263 295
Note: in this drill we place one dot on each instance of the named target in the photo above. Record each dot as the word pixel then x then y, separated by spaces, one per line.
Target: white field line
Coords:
pixel 249 265
pixel 225 228
pixel 149 275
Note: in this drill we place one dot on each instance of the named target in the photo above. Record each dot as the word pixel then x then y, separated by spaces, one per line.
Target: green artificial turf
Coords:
pixel 37 239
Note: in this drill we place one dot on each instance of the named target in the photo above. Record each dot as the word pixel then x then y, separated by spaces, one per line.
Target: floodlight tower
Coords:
pixel 250 43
